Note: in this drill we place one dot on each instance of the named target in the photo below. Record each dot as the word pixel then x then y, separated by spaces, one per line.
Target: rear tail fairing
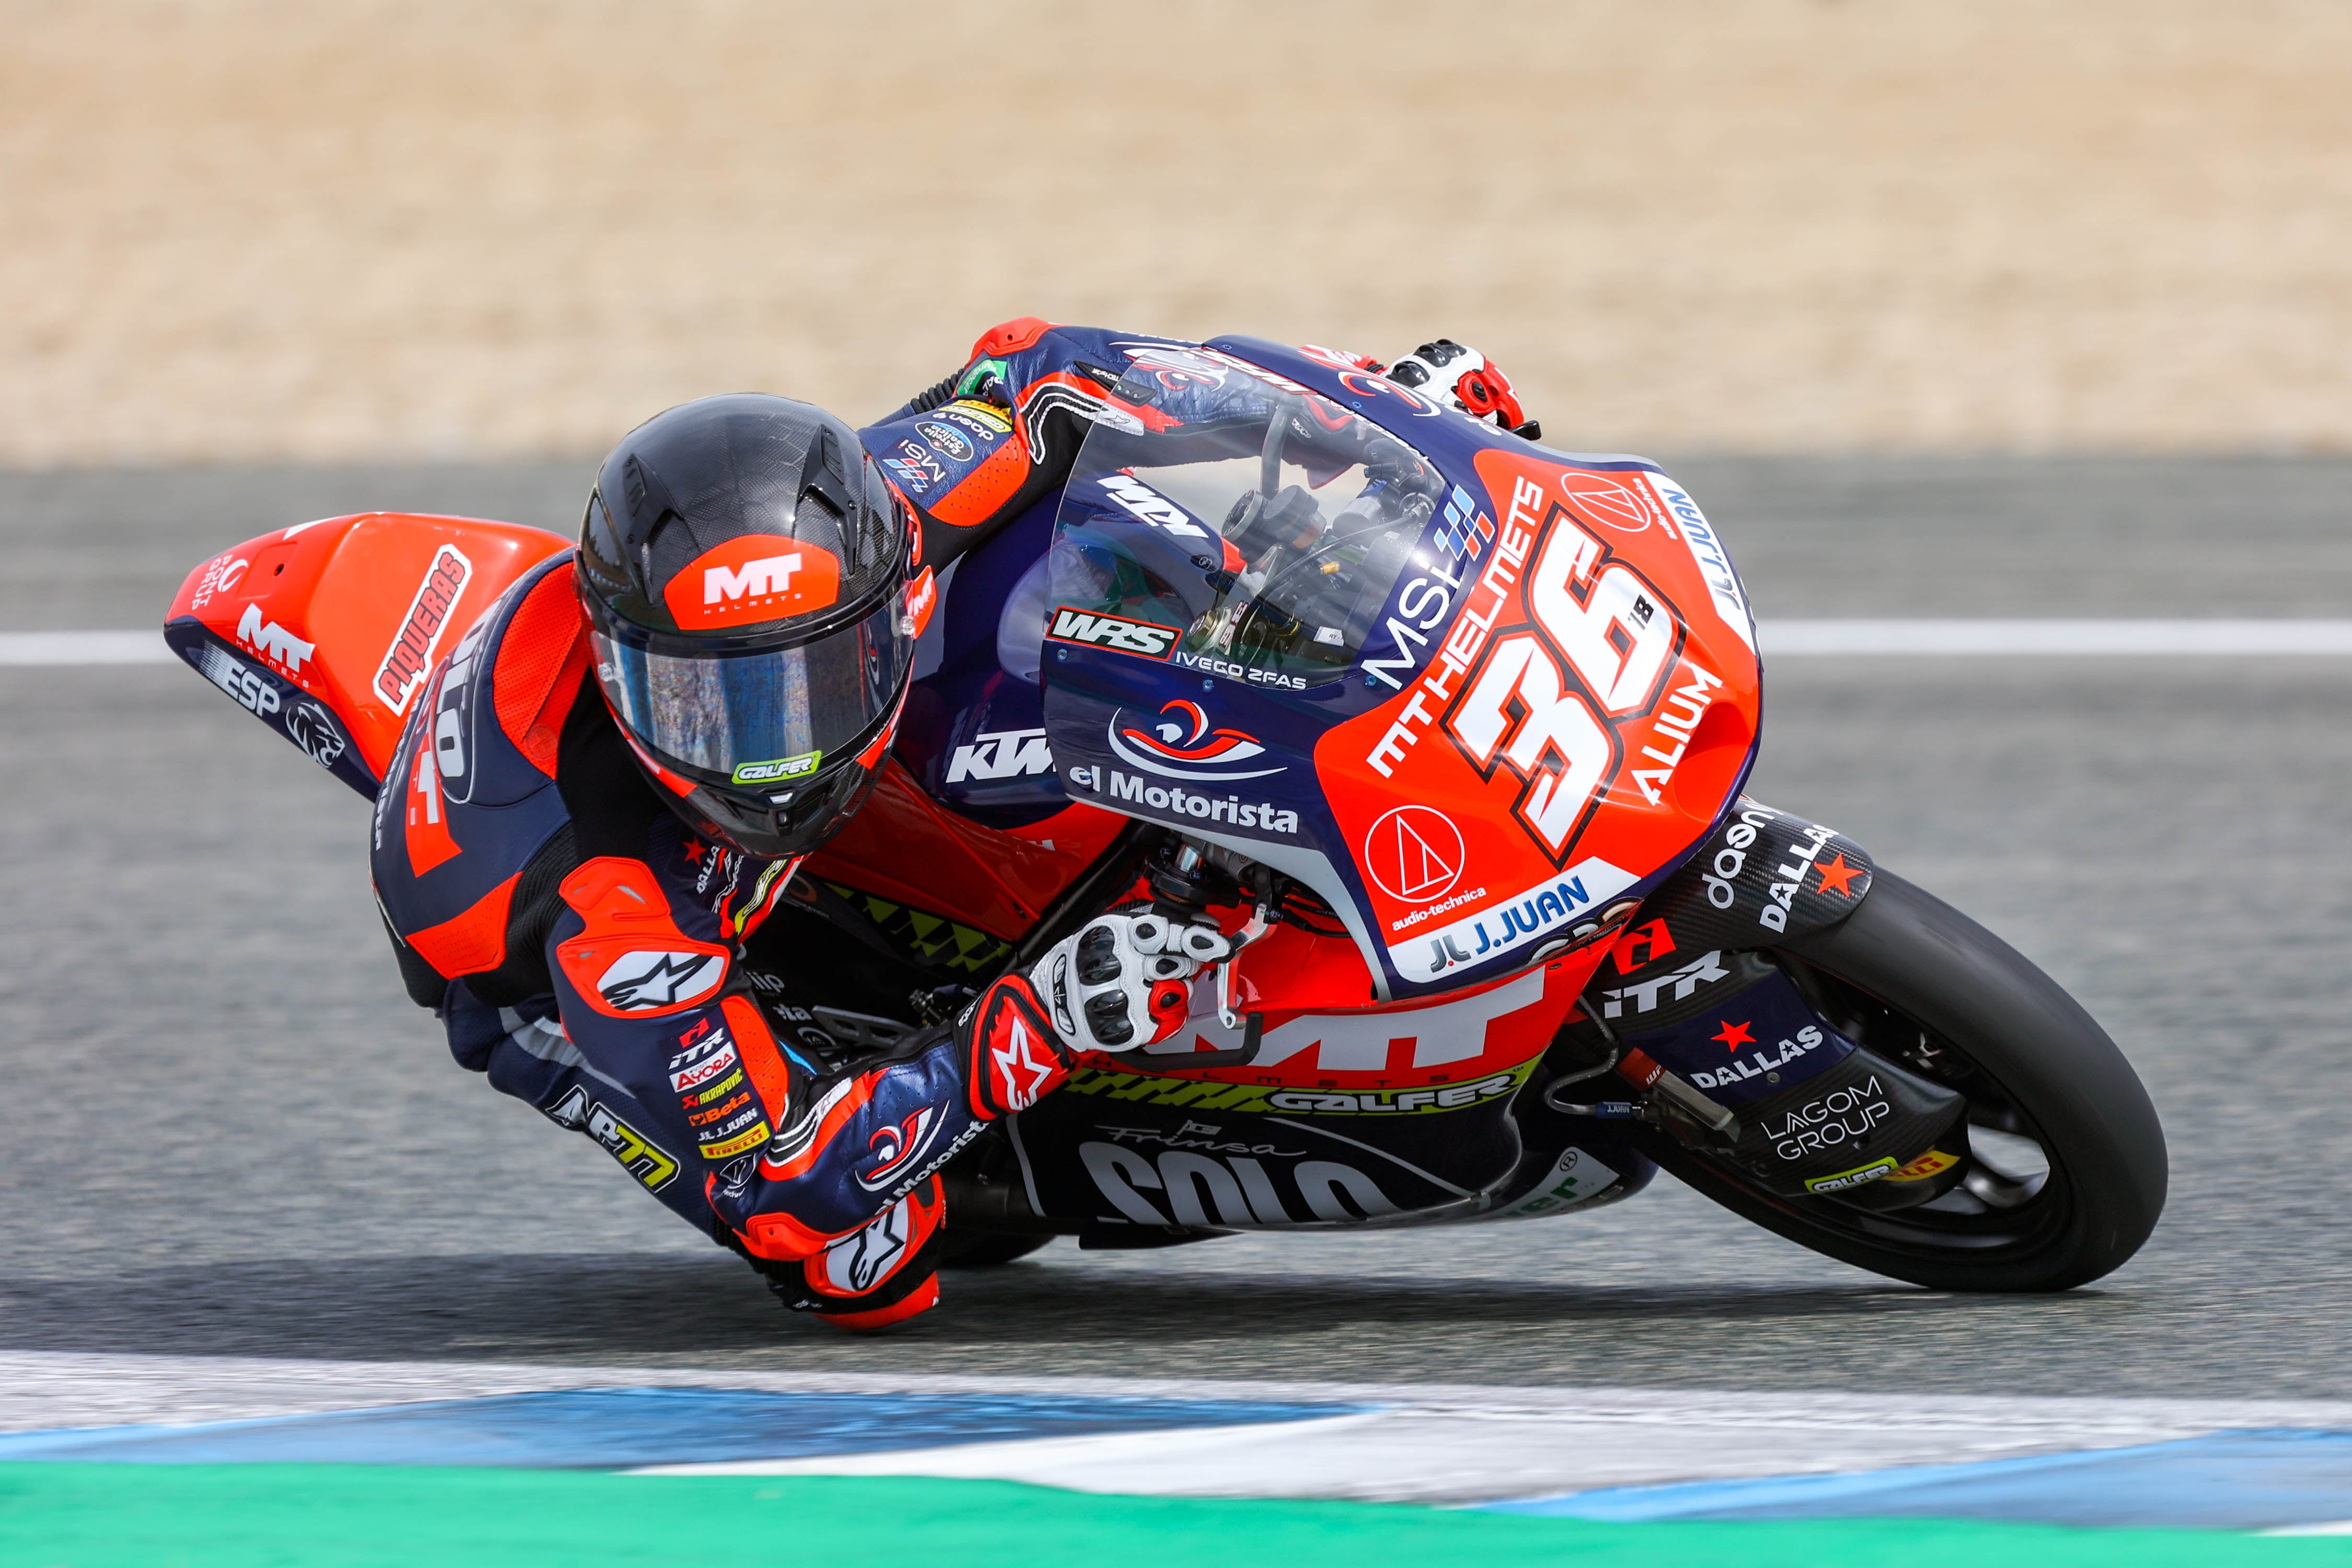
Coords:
pixel 1555 701
pixel 329 631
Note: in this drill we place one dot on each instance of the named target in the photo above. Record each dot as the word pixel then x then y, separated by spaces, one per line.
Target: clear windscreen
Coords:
pixel 1261 523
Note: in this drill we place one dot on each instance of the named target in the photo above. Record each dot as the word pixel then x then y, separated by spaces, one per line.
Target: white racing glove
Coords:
pixel 1121 984
pixel 1467 380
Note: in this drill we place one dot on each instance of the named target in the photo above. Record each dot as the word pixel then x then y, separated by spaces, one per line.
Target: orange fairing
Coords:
pixel 357 610
pixel 1318 1032
pixel 902 845
pixel 1584 707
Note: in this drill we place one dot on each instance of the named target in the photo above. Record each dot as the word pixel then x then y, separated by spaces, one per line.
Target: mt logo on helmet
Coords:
pixel 737 549
pixel 748 581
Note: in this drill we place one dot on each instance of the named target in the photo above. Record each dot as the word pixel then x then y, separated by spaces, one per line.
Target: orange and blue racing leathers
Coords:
pixel 584 948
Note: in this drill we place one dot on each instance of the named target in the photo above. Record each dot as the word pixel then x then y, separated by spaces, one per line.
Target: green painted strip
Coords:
pixel 295 1516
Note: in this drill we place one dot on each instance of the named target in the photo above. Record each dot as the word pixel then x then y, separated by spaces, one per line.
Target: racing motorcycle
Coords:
pixel 1449 730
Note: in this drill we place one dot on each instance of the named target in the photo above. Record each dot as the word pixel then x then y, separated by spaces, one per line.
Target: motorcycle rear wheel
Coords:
pixel 1918 983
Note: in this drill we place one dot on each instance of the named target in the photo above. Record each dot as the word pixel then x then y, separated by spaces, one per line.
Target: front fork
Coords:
pixel 1722 1048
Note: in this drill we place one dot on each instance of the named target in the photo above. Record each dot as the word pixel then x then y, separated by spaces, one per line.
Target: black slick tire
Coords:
pixel 2035 1048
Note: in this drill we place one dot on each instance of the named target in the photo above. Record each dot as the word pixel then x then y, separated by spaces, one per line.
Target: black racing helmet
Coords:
pixel 744 569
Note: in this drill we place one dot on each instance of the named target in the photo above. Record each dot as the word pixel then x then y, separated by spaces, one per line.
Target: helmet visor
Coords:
pixel 754 719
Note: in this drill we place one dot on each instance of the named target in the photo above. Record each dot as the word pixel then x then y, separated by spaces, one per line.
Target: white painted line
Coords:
pixel 2062 638
pixel 84 647
pixel 1426 1443
pixel 73 1388
pixel 1430 1457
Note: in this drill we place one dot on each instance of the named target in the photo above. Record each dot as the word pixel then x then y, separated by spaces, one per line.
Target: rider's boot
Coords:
pixel 882 1273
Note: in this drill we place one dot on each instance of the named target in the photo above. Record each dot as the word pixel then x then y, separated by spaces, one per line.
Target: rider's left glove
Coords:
pixel 1122 983
pixel 1466 379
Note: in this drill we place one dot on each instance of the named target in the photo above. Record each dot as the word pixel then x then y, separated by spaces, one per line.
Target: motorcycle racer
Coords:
pixel 569 867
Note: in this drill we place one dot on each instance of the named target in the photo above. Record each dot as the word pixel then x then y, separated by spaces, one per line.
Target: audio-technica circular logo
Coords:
pixel 1414 853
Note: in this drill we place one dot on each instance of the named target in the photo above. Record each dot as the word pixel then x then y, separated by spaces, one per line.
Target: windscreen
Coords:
pixel 1239 519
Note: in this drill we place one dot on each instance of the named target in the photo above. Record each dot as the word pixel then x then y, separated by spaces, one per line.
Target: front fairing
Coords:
pixel 1481 696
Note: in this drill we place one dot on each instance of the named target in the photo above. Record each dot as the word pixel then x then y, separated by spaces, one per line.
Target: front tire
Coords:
pixel 1914 980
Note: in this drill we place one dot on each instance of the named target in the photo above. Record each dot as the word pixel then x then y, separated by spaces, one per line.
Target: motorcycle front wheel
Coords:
pixel 2067 1167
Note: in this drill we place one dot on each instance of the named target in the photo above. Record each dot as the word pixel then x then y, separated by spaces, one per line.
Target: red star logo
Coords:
pixel 1836 875
pixel 1018 1055
pixel 1734 1036
pixel 694 849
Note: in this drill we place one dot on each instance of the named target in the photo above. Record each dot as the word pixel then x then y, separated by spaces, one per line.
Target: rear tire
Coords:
pixel 1921 984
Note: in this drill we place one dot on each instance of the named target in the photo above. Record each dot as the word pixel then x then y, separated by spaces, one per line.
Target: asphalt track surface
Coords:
pixel 224 1131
